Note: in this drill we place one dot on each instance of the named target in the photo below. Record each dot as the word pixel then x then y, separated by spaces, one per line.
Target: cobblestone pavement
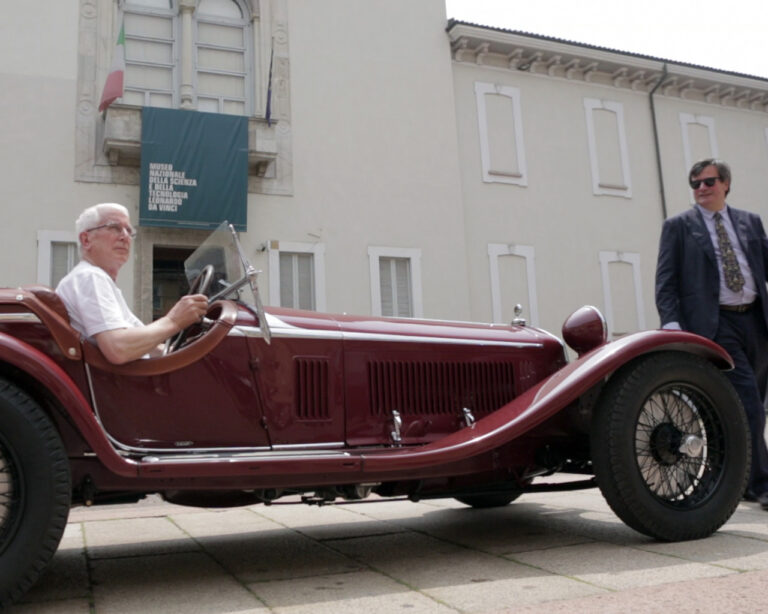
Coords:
pixel 555 552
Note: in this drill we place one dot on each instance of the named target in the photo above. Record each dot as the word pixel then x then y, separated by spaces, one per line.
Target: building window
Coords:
pixel 699 141
pixel 151 32
pixel 513 282
pixel 395 282
pixel 395 286
pixel 500 124
pixel 189 57
pixel 57 254
pixel 221 56
pixel 622 292
pixel 297 283
pixel 221 46
pixel 297 275
pixel 608 151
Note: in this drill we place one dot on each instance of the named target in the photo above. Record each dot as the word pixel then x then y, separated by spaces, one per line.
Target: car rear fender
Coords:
pixel 547 398
pixel 45 371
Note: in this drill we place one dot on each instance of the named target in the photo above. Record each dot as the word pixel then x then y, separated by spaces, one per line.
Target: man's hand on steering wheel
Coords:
pixel 190 309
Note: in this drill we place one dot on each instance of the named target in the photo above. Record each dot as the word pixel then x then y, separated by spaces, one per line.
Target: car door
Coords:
pixel 211 403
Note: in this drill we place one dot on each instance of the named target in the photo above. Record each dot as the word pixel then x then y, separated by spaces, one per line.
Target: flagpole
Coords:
pixel 268 110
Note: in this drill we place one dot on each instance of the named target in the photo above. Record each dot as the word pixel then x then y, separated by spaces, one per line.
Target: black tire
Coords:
pixel 34 492
pixel 489 500
pixel 652 416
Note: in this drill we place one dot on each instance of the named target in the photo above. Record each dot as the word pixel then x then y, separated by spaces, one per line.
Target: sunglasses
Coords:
pixel 709 182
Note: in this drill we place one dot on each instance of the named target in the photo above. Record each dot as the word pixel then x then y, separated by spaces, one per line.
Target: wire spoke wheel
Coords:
pixel 10 504
pixel 670 446
pixel 679 445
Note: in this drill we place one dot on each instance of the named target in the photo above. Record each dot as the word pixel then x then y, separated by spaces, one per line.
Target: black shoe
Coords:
pixel 762 499
pixel 749 496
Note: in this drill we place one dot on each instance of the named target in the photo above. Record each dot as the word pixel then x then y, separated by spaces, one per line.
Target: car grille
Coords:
pixel 439 387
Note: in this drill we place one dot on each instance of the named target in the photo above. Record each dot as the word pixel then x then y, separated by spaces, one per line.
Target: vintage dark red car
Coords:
pixel 252 405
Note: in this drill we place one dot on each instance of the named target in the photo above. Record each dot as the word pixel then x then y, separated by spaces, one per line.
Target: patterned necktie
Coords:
pixel 731 270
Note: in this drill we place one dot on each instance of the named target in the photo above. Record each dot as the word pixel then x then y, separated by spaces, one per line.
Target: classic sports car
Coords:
pixel 252 405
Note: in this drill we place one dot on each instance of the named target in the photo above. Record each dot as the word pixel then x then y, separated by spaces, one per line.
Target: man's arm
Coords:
pixel 668 276
pixel 122 345
pixel 763 245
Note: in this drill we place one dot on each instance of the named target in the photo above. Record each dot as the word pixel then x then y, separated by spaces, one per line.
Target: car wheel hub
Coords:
pixel 665 444
pixel 692 446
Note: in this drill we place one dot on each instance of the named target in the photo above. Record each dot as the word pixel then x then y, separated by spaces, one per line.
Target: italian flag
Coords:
pixel 113 88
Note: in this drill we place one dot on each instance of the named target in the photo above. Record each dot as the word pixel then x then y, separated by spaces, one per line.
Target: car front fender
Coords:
pixel 547 398
pixel 41 368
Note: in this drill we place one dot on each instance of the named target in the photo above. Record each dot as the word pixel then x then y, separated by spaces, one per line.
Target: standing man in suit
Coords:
pixel 711 280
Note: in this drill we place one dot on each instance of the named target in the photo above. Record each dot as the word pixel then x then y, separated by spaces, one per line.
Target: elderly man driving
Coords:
pixel 96 305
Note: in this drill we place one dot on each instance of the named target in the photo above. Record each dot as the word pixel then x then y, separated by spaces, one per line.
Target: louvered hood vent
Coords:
pixel 419 388
pixel 311 388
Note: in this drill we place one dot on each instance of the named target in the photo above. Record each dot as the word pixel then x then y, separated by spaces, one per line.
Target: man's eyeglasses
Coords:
pixel 709 182
pixel 116 228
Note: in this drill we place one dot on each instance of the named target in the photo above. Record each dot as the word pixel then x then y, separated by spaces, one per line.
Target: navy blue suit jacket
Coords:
pixel 687 276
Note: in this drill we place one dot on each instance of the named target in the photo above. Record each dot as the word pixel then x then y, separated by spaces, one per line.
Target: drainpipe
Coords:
pixel 656 141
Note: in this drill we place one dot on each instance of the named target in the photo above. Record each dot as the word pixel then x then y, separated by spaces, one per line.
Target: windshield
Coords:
pixel 220 251
pixel 232 276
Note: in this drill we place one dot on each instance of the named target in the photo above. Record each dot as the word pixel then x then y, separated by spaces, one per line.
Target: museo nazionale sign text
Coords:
pixel 194 169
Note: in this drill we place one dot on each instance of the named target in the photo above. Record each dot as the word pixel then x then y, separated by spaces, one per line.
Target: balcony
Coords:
pixel 121 141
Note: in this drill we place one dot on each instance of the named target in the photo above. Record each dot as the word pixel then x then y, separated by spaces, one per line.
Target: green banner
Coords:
pixel 194 169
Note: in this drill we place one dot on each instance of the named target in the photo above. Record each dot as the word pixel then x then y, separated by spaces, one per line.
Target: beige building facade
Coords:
pixel 572 156
pixel 411 166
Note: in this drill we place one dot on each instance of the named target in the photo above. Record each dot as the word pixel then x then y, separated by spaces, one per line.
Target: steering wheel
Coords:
pixel 200 285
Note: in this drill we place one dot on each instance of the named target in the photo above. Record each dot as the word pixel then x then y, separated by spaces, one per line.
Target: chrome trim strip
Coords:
pixel 133 450
pixel 290 332
pixel 24 316
pixel 551 336
pixel 309 447
pixel 270 454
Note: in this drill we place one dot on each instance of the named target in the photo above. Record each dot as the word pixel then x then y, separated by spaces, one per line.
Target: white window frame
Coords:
pixel 528 253
pixel 45 238
pixel 176 52
pixel 633 259
pixel 185 70
pixel 248 62
pixel 489 174
pixel 687 119
pixel 318 260
pixel 414 256
pixel 598 187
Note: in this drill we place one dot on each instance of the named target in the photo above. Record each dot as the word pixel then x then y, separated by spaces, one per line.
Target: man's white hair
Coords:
pixel 94 216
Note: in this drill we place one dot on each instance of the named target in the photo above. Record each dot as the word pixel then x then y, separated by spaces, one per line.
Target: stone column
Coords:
pixel 186 49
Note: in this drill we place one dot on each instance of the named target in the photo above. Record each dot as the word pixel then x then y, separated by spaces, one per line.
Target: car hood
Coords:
pixel 291 322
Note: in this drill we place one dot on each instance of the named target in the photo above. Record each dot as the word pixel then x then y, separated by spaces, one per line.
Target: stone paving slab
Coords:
pixel 736 594
pixel 128 537
pixel 363 591
pixel 188 583
pixel 617 567
pixel 556 552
